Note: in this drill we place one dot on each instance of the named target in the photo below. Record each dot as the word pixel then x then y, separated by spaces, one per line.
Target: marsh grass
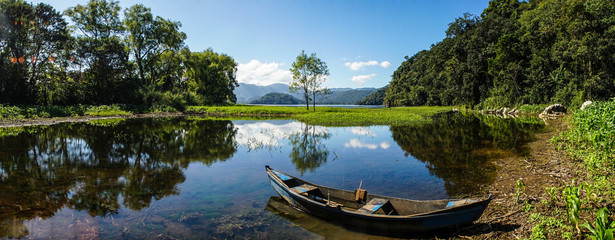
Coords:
pixel 36 112
pixel 328 116
pixel 591 138
pixel 106 110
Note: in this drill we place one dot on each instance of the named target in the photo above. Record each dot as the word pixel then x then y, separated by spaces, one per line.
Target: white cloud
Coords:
pixel 259 73
pixel 361 79
pixel 385 64
pixel 356 66
pixel 356 143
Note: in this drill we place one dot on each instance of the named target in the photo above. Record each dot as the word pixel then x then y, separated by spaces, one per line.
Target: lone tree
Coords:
pixel 309 73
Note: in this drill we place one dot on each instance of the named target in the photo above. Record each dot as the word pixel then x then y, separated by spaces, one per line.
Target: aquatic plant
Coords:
pixel 590 139
pixel 603 229
pixel 552 192
pixel 573 204
pixel 520 186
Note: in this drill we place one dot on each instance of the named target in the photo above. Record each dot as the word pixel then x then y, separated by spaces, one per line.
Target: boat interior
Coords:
pixel 360 202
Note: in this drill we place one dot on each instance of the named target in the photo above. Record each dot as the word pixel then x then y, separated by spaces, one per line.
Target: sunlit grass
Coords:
pixel 106 110
pixel 327 116
pixel 591 138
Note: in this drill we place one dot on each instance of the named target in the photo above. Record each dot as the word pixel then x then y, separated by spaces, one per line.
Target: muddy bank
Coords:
pixel 540 166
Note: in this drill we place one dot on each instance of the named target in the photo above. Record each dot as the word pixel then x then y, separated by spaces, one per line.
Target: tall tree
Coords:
pixel 212 76
pixel 100 48
pixel 32 37
pixel 148 38
pixel 309 73
pixel 517 52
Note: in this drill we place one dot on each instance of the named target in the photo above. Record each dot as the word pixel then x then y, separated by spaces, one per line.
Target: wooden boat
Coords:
pixel 360 210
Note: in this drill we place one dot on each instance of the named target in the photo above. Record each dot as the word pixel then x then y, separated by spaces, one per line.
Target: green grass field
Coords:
pixel 327 116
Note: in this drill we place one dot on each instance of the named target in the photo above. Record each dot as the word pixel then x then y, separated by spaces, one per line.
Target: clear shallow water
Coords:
pixel 192 178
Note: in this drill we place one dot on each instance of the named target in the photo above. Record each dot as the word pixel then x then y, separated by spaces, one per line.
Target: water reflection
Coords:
pixel 190 177
pixel 309 152
pixel 458 147
pixel 97 169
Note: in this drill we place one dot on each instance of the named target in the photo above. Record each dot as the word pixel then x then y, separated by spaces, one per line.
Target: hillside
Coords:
pixel 246 93
pixel 375 98
pixel 345 97
pixel 277 98
pixel 515 53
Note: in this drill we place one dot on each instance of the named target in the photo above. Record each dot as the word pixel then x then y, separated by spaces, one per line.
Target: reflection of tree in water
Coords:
pixel 308 151
pixel 92 168
pixel 457 148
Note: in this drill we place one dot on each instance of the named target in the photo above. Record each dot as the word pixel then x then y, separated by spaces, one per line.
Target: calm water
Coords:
pixel 168 178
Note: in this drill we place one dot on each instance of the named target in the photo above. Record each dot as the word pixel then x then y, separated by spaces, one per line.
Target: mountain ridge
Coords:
pixel 247 93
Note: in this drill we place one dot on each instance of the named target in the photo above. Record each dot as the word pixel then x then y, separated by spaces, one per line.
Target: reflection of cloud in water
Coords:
pixel 362 131
pixel 260 134
pixel 356 143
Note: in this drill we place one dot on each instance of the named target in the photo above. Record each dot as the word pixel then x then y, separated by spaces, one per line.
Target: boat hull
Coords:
pixel 416 223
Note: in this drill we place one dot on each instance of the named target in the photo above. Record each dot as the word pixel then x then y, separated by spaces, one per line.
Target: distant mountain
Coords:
pixel 345 97
pixel 247 93
pixel 375 98
pixel 277 98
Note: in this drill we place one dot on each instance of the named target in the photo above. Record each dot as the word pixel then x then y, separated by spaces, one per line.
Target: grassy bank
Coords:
pixel 329 116
pixel 37 112
pixel 582 208
pixel 591 139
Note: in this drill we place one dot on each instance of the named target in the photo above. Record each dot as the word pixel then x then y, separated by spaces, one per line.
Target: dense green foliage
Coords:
pixel 375 98
pixel 277 98
pixel 515 53
pixel 590 139
pixel 34 112
pixel 140 59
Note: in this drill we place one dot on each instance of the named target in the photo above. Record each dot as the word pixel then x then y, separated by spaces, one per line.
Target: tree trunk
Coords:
pixel 141 75
pixel 314 102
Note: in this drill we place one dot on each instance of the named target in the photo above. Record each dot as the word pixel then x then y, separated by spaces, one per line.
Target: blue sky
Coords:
pixel 362 42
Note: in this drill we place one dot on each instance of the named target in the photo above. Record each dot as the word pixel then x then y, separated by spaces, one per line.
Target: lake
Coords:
pixel 193 178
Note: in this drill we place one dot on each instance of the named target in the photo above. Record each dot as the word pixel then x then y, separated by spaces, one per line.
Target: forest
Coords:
pixel 97 57
pixel 515 53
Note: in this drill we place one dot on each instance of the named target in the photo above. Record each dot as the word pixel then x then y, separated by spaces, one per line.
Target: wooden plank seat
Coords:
pixel 376 204
pixel 283 176
pixel 303 189
pixel 373 205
